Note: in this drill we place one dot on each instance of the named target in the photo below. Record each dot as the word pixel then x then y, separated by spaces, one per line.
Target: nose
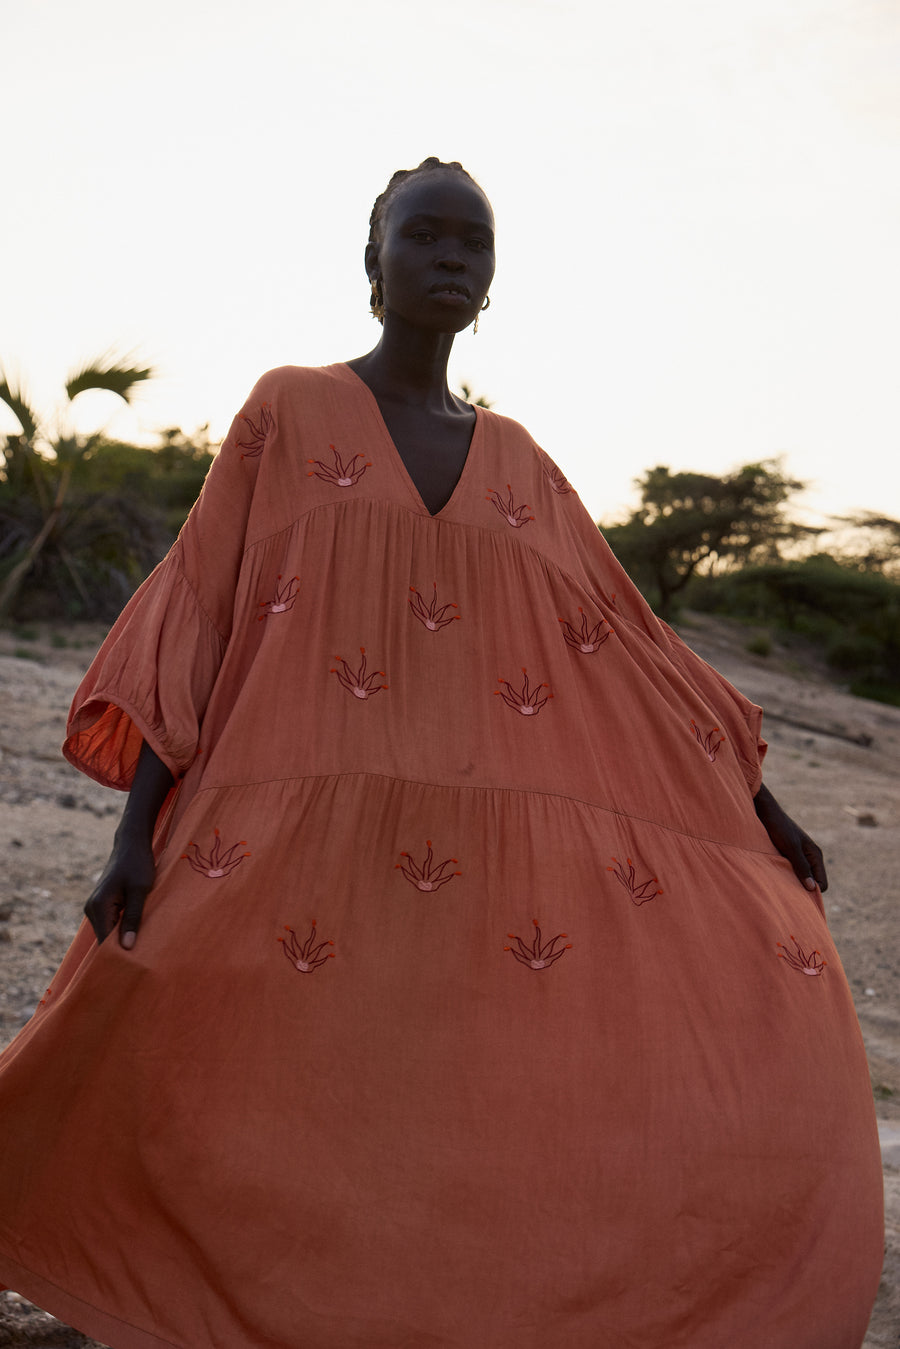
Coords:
pixel 450 261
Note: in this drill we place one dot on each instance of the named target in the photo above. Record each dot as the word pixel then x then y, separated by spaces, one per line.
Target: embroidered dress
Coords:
pixel 472 1007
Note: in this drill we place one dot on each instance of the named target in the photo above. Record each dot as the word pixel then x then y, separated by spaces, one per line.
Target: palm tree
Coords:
pixel 40 460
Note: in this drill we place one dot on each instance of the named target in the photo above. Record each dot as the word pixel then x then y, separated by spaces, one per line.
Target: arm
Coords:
pixel 792 842
pixel 129 873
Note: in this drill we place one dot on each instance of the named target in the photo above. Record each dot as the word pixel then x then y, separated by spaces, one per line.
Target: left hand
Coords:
pixel 792 842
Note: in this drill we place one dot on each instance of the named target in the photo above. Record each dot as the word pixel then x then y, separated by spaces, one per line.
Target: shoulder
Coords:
pixel 517 439
pixel 279 400
pixel 287 399
pixel 299 381
pixel 509 437
pixel 507 428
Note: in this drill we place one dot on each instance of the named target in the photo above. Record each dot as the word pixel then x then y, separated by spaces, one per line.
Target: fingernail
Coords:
pixel 128 940
pixel 809 883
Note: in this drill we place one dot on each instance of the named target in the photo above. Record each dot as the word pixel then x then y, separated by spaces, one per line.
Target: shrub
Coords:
pixel 760 645
pixel 852 614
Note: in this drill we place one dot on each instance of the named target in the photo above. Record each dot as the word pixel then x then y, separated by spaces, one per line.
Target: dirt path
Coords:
pixel 840 780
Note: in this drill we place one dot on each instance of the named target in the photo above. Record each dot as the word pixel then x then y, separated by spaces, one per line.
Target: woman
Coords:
pixel 483 996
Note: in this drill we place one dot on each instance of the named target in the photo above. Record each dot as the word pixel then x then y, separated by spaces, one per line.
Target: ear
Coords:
pixel 373 271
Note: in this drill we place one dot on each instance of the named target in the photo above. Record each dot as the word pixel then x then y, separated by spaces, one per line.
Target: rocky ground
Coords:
pixel 833 763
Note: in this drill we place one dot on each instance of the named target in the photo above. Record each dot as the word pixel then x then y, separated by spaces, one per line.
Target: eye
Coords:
pixel 422 236
pixel 479 245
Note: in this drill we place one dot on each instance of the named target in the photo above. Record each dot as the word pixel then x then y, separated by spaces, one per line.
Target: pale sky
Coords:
pixel 698 214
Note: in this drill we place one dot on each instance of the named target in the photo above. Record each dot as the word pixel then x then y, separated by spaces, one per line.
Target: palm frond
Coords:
pixel 108 373
pixel 15 399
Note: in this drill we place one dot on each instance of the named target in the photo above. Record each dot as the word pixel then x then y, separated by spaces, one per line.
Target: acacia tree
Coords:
pixel 38 466
pixel 870 541
pixel 690 520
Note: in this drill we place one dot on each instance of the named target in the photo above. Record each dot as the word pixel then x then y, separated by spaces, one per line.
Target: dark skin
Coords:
pixel 804 855
pixel 434 262
pixel 128 875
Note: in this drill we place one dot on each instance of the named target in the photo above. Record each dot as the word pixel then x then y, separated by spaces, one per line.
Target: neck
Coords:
pixel 408 366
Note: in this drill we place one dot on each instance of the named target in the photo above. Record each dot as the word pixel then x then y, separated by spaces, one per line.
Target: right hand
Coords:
pixel 121 890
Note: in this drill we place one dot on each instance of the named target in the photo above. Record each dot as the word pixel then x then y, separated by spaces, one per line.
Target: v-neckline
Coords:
pixel 398 458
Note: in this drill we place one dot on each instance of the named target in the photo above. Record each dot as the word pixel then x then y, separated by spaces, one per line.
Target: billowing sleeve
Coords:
pixel 153 676
pixel 740 718
pixel 666 654
pixel 737 717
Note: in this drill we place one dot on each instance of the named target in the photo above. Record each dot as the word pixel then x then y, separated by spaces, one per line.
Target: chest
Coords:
pixel 433 450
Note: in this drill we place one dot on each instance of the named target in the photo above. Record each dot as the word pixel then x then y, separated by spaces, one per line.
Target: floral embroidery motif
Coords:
pixel 513 515
pixel 357 682
pixel 586 640
pixel 219 862
pixel 427 877
pixel 306 957
pixel 257 432
pixel 285 595
pixel 798 959
pixel 340 474
pixel 708 742
pixel 557 479
pixel 529 700
pixel 539 955
pixel 640 891
pixel 431 616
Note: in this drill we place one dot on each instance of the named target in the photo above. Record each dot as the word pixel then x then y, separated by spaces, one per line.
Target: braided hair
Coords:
pixel 382 201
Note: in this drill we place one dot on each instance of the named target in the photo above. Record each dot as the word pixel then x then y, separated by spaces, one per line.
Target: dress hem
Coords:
pixel 73 1311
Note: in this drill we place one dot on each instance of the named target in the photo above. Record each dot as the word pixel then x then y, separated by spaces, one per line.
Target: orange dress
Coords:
pixel 472 1007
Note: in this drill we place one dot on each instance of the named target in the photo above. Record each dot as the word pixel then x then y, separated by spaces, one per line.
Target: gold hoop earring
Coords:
pixel 486 305
pixel 376 303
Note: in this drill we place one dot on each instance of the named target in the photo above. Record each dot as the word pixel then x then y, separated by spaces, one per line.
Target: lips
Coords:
pixel 450 288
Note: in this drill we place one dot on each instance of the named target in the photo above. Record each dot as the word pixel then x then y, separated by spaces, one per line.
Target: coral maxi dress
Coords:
pixel 472 1007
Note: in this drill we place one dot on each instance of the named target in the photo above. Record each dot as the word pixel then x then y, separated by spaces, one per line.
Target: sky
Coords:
pixel 697 206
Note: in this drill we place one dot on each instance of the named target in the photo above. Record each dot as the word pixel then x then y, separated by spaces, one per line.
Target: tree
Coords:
pixel 38 467
pixel 870 541
pixel 479 402
pixel 689 521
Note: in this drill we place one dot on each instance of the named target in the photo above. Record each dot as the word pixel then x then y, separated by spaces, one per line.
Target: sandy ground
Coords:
pixel 833 763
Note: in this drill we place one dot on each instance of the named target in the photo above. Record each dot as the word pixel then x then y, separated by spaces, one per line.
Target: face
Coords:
pixel 435 260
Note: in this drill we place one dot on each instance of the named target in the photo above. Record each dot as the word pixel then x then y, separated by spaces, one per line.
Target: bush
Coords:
pixel 122 509
pixel 761 645
pixel 104 548
pixel 852 614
